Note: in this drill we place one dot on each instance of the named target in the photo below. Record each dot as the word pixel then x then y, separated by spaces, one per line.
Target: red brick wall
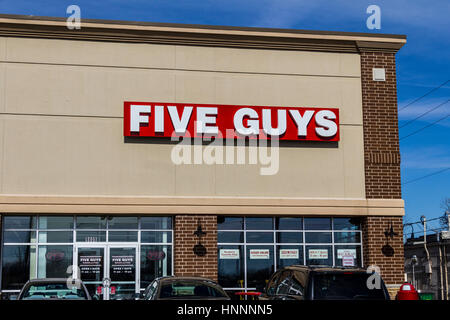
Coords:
pixel 381 145
pixel 186 262
pixel 382 164
pixel 374 239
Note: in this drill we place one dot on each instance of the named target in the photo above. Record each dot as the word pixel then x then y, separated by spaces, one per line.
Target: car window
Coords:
pixel 344 286
pixel 182 289
pixel 45 291
pixel 283 283
pixel 271 286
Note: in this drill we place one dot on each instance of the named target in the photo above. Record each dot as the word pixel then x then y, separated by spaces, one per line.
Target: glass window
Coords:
pixel 53 261
pixel 156 236
pixel 19 222
pixel 55 222
pixel 347 237
pixel 91 236
pixel 289 255
pixel 230 223
pixel 18 266
pixel 289 224
pixel 317 224
pixel 272 284
pixel 259 237
pixel 91 222
pixel 230 237
pixel 48 291
pixel 260 265
pixel 156 261
pixel 319 255
pixel 156 223
pixel 231 266
pixel 289 237
pixel 122 236
pixel 346 223
pixel 122 222
pixel 19 237
pixel 55 236
pixel 259 223
pixel 348 256
pixel 318 237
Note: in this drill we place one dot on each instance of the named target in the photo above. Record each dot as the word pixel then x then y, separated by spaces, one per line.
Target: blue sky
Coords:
pixel 421 65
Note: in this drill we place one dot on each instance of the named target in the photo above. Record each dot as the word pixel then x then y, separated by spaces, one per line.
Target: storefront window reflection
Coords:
pixel 248 257
pixel 44 246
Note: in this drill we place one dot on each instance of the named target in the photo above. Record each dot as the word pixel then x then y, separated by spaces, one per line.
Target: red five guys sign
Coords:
pixel 161 119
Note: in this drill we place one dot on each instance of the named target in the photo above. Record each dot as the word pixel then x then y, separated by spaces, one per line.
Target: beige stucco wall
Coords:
pixel 61 108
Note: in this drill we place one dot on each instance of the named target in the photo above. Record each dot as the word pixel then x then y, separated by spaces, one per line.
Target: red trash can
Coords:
pixel 407 292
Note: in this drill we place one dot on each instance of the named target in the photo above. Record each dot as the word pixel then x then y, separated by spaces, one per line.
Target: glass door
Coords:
pixel 108 271
pixel 122 272
pixel 91 269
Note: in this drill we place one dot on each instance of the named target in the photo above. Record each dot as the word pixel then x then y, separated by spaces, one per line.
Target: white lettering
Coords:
pixel 136 118
pixel 326 127
pixel 180 125
pixel 302 122
pixel 267 122
pixel 252 122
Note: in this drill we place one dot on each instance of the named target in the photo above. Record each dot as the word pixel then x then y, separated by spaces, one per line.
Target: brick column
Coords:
pixel 382 165
pixel 187 263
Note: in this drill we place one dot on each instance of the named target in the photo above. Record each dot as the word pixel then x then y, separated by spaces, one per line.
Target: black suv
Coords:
pixel 324 283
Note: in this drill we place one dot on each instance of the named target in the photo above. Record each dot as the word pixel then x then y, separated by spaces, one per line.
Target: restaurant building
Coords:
pixel 91 186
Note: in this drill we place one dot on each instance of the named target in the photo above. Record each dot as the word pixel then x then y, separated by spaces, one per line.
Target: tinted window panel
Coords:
pixel 91 236
pixel 289 224
pixel 230 237
pixel 123 223
pixel 19 236
pixel 16 266
pixel 259 223
pixel 55 222
pixel 156 223
pixel 231 268
pixel 259 237
pixel 346 223
pixel 119 236
pixel 319 255
pixel 156 261
pixel 91 222
pixel 54 260
pixel 289 255
pixel 347 237
pixel 348 256
pixel 259 265
pixel 156 236
pixel 230 223
pixel 56 236
pixel 289 237
pixel 19 222
pixel 318 237
pixel 317 224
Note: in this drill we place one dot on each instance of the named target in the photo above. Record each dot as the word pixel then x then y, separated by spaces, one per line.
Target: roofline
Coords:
pixel 199 35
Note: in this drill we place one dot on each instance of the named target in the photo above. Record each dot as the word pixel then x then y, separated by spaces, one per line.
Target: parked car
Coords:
pixel 184 288
pixel 53 289
pixel 322 283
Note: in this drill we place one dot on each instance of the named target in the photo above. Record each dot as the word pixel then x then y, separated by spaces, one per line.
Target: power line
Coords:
pixel 431 91
pixel 426 176
pixel 431 124
pixel 425 113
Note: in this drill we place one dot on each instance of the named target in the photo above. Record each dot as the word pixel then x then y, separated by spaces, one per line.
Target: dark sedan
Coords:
pixel 54 289
pixel 184 288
